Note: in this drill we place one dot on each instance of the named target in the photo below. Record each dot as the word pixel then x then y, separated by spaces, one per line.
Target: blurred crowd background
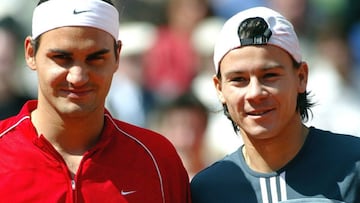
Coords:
pixel 164 78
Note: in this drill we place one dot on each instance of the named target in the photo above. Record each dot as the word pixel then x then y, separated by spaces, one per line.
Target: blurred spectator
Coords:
pixel 227 8
pixel 203 87
pixel 171 63
pixel 333 86
pixel 203 41
pixel 151 11
pixel 11 98
pixel 184 122
pixel 127 98
pixel 352 20
pixel 20 11
pixel 354 43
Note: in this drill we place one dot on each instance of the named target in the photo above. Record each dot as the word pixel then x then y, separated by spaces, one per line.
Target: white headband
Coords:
pixel 61 13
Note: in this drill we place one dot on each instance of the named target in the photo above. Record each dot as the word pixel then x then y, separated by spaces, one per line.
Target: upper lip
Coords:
pixel 77 91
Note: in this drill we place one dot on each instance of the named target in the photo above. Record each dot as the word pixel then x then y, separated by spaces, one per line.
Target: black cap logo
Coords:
pixel 254 31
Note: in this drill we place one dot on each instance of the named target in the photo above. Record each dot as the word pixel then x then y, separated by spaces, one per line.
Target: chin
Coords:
pixel 259 132
pixel 75 110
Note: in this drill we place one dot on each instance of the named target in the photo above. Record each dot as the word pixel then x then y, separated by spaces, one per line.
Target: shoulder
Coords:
pixel 146 136
pixel 340 147
pixel 224 170
pixel 334 139
pixel 9 124
pixel 146 140
pixel 222 180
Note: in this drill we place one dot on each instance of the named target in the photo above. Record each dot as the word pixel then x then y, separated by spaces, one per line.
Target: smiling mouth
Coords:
pixel 259 113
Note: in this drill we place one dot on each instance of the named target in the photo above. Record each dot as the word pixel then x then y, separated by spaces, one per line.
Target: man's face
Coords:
pixel 75 66
pixel 259 85
pixel 185 127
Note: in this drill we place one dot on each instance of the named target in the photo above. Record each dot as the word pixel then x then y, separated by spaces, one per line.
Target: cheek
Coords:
pixel 104 72
pixel 55 76
pixel 49 72
pixel 49 76
pixel 288 99
pixel 104 78
pixel 234 95
pixel 234 99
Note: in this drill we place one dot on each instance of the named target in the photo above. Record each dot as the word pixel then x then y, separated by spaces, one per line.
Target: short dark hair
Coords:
pixel 251 28
pixel 188 100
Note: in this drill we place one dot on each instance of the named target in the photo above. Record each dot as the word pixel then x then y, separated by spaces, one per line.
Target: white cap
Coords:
pixel 283 34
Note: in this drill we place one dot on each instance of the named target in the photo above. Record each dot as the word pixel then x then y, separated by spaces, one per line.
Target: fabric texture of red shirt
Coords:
pixel 128 164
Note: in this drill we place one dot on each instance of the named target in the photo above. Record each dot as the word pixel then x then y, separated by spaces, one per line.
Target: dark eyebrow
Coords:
pixel 100 52
pixel 59 51
pixel 97 53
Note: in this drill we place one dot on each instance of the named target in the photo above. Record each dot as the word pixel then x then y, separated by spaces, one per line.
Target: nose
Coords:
pixel 77 75
pixel 255 90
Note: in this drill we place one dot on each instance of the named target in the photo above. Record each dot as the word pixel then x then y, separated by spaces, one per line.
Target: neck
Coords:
pixel 68 135
pixel 268 155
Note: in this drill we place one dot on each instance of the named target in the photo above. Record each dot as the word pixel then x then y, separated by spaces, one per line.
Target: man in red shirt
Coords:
pixel 65 146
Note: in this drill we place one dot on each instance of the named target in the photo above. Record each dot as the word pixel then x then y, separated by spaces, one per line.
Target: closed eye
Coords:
pixel 95 57
pixel 98 57
pixel 61 59
pixel 239 79
pixel 271 75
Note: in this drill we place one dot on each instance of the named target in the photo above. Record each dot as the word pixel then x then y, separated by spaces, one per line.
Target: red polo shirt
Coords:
pixel 128 164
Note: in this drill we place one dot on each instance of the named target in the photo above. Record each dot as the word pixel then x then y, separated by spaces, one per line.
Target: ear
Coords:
pixel 218 87
pixel 119 46
pixel 303 72
pixel 118 51
pixel 29 53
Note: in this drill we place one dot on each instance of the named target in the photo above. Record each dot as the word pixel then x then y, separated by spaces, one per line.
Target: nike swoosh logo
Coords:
pixel 78 12
pixel 127 192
